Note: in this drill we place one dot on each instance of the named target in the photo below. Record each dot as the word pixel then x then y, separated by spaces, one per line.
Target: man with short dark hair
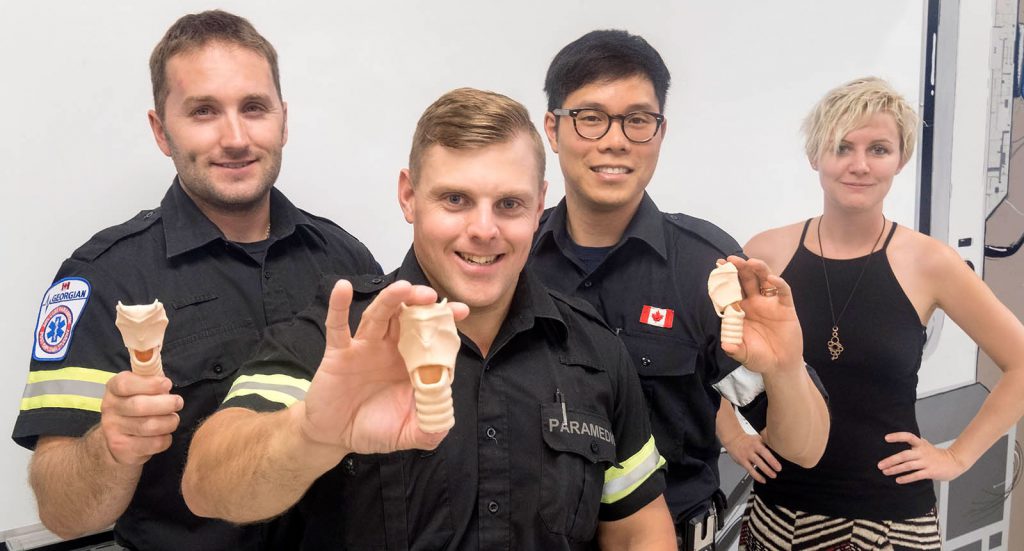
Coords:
pixel 227 255
pixel 646 273
pixel 551 444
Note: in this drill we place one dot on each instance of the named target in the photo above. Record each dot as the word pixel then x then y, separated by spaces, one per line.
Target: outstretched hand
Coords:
pixel 922 461
pixel 772 340
pixel 361 398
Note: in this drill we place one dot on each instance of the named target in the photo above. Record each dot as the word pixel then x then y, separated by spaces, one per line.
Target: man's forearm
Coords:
pixel 245 466
pixel 79 487
pixel 798 419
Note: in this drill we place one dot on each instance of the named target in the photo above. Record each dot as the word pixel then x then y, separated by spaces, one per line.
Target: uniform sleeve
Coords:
pixel 637 478
pixel 76 349
pixel 279 373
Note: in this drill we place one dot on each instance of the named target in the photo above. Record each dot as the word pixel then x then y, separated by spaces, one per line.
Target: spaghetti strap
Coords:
pixel 803 235
pixel 887 239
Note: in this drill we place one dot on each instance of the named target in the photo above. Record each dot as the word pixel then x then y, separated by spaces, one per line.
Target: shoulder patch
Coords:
pixel 59 313
pixel 707 232
pixel 106 238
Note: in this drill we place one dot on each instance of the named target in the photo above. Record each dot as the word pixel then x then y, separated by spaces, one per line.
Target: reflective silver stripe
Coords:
pixel 65 387
pixel 638 473
pixel 297 393
pixel 741 386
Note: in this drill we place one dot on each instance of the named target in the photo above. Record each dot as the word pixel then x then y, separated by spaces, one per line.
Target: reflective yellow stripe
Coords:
pixel 71 374
pixel 272 395
pixel 61 401
pixel 68 387
pixel 620 482
pixel 283 389
pixel 277 380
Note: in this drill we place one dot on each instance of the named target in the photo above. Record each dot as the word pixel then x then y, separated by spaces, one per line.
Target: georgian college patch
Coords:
pixel 58 314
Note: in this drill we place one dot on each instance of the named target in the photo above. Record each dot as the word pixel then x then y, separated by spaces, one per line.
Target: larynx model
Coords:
pixel 429 343
pixel 142 328
pixel 725 292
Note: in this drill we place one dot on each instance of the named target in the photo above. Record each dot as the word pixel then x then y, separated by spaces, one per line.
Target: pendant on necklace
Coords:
pixel 834 346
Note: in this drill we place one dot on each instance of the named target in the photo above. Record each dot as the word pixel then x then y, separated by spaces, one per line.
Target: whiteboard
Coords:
pixel 76 153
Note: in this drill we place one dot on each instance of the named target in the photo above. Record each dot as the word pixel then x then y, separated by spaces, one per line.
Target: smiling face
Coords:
pixel 610 173
pixel 857 175
pixel 224 126
pixel 473 213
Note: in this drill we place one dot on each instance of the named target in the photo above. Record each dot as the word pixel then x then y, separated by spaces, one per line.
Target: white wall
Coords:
pixel 76 154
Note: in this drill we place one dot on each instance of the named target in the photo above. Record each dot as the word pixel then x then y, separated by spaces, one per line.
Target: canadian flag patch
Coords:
pixel 658 317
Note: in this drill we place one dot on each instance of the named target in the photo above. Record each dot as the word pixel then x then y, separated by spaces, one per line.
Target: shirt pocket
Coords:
pixel 673 388
pixel 579 447
pixel 205 343
pixel 661 356
pixel 396 501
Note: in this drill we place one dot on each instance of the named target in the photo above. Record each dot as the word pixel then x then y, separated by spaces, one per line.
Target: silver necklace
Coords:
pixel 835 347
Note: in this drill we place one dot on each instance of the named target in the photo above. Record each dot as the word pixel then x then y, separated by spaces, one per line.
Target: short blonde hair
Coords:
pixel 847 107
pixel 467 118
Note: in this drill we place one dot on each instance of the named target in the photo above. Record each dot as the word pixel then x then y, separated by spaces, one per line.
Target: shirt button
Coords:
pixel 492 507
pixel 218 368
pixel 266 274
pixel 645 361
pixel 377 280
pixel 588 284
pixel 491 432
pixel 594 447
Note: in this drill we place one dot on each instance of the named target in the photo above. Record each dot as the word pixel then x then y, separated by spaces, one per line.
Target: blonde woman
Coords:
pixel 864 288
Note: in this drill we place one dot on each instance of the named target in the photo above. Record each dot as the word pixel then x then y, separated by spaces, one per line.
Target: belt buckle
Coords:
pixel 700 531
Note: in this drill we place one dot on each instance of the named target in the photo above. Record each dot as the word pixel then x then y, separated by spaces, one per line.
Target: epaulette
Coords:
pixel 705 231
pixel 102 241
pixel 327 222
pixel 580 306
pixel 371 284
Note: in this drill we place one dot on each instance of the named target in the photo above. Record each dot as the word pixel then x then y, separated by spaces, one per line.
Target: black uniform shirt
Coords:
pixel 218 300
pixel 540 424
pixel 652 290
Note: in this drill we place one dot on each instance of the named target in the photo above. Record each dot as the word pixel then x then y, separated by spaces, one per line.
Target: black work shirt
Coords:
pixel 651 288
pixel 218 299
pixel 539 425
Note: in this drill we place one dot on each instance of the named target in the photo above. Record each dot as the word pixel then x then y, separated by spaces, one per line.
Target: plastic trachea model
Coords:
pixel 142 328
pixel 725 292
pixel 429 343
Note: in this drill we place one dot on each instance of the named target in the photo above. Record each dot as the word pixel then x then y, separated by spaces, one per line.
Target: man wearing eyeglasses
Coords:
pixel 646 273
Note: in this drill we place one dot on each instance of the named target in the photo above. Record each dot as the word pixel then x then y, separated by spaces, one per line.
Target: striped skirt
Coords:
pixel 773 528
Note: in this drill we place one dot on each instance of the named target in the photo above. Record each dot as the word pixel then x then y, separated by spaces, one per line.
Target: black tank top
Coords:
pixel 872 388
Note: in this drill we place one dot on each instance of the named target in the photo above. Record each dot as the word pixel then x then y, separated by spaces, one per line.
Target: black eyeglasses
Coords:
pixel 593 124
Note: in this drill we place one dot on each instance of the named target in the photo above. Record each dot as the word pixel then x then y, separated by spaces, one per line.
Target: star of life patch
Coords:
pixel 59 313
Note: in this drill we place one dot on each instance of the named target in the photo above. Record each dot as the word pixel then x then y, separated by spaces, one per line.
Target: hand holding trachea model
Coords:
pixel 142 328
pixel 725 292
pixel 429 343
